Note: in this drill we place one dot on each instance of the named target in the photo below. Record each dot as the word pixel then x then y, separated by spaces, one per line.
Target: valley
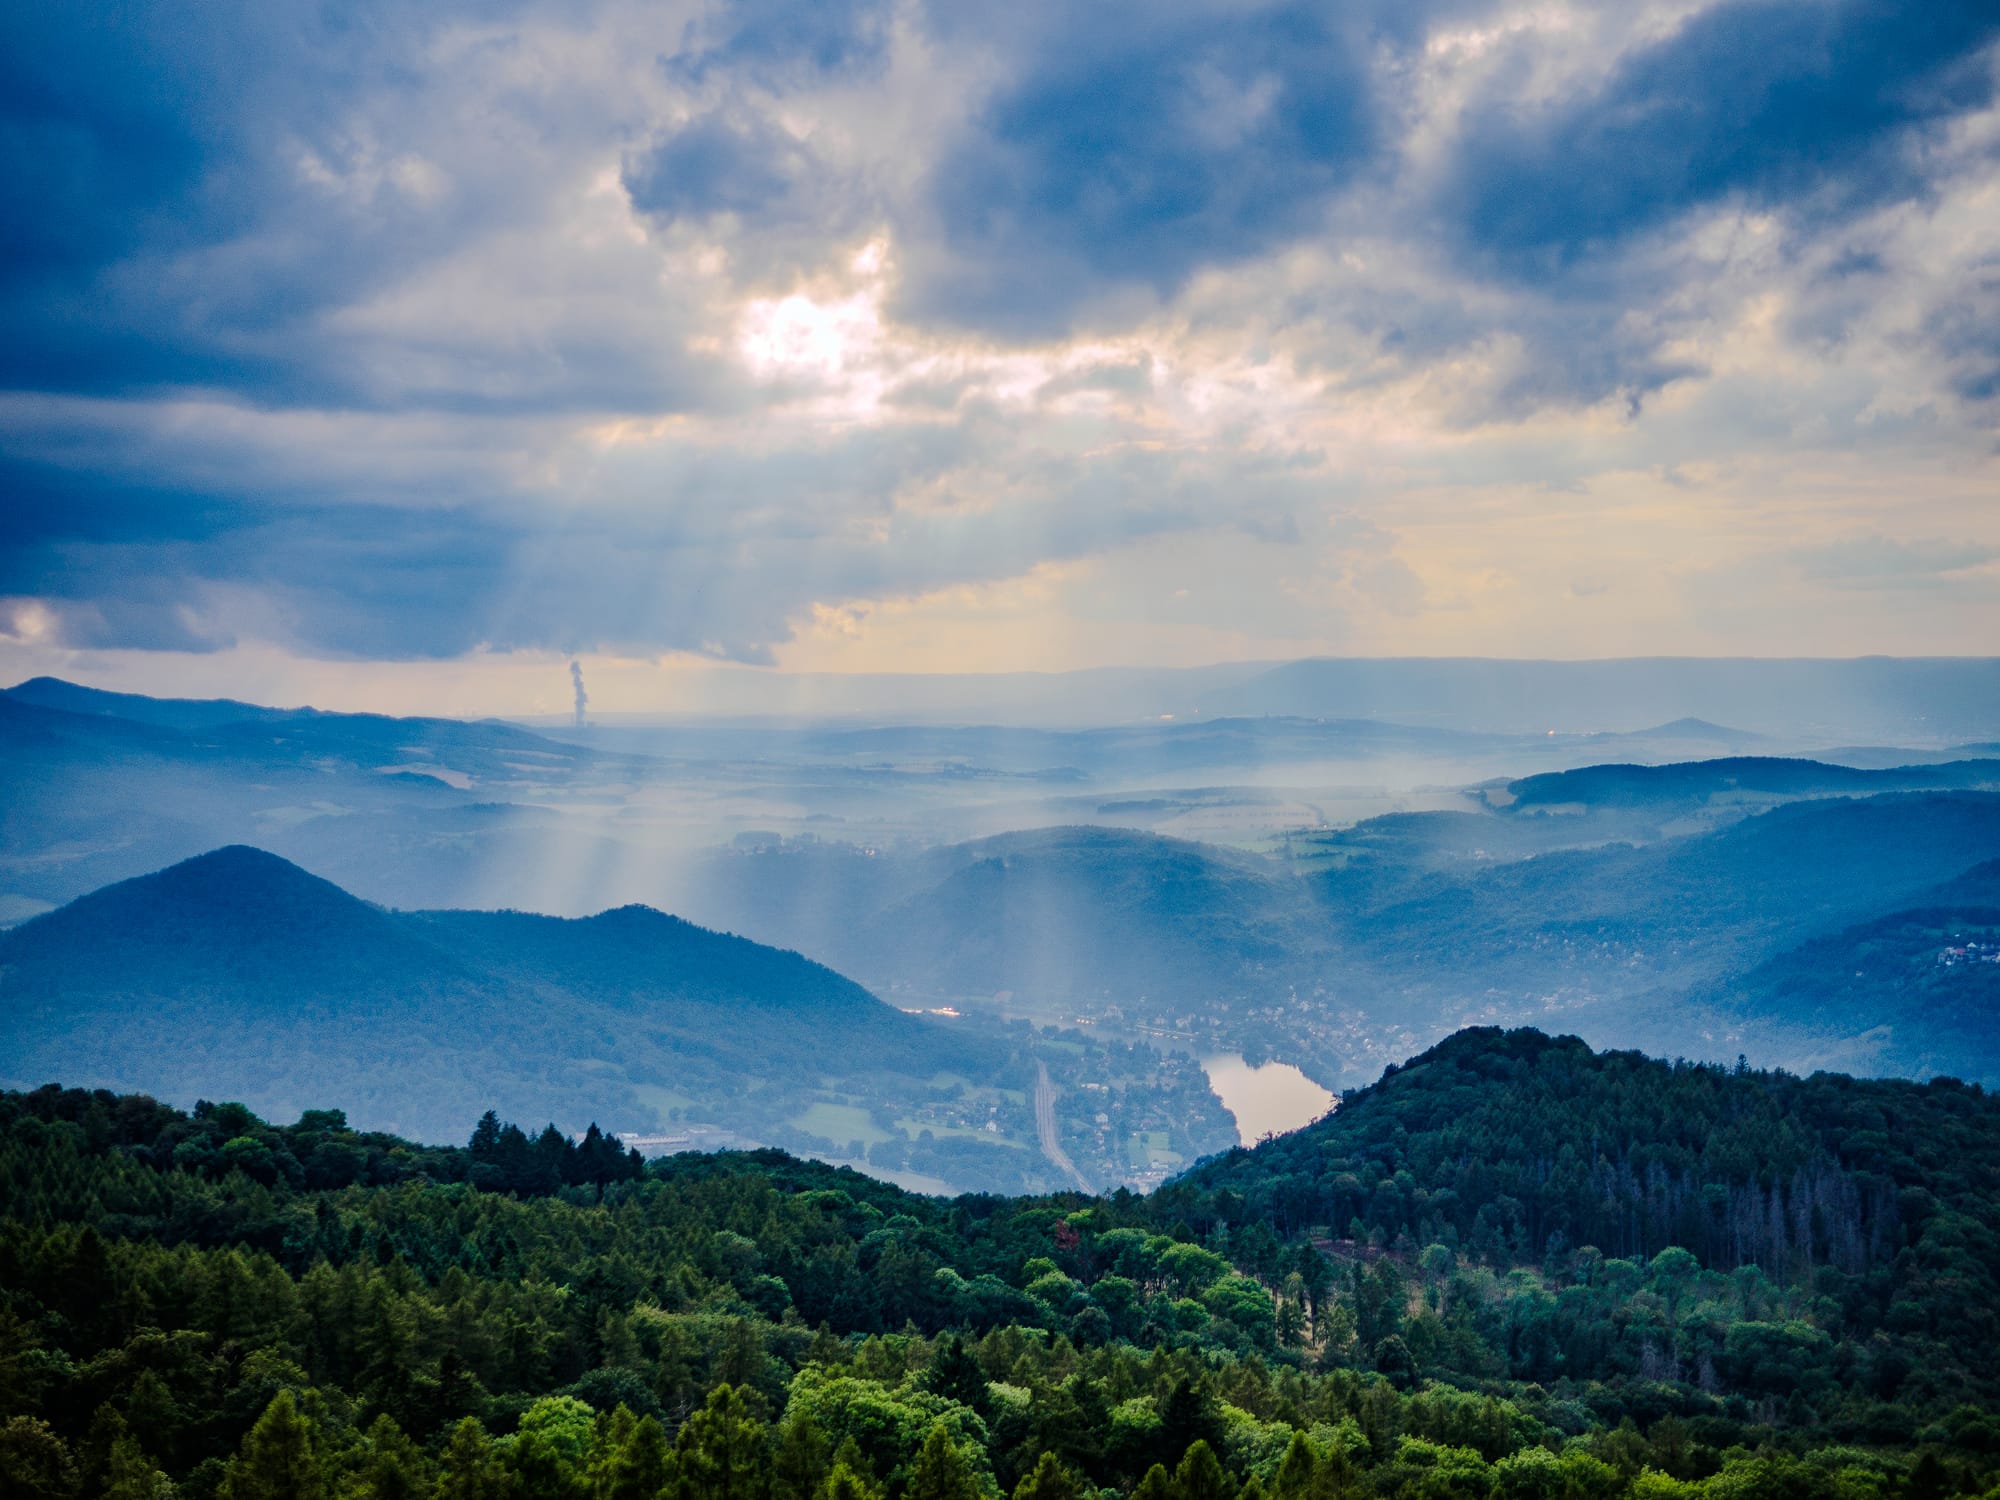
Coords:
pixel 1694 908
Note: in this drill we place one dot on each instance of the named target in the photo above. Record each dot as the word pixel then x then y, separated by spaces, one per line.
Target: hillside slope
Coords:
pixel 1096 911
pixel 239 973
pixel 1517 1145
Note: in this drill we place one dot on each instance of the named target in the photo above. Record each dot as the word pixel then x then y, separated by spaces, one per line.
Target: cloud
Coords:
pixel 1814 108
pixel 1881 563
pixel 402 332
pixel 1133 150
pixel 772 40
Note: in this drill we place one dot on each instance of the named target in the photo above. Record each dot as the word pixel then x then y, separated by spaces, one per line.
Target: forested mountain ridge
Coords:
pixel 303 1310
pixel 1517 1148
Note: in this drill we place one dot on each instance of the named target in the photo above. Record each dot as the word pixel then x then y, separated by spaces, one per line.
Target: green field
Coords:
pixel 1150 1148
pixel 660 1100
pixel 840 1123
pixel 912 1128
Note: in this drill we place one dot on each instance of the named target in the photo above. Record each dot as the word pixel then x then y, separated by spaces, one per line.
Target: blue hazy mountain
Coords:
pixel 1869 699
pixel 1730 780
pixel 168 713
pixel 1097 911
pixel 237 974
pixel 1389 934
pixel 1616 895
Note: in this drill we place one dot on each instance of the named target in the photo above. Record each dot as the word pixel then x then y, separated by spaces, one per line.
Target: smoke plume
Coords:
pixel 582 698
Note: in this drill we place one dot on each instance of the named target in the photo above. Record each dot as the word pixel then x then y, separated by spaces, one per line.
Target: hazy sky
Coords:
pixel 390 352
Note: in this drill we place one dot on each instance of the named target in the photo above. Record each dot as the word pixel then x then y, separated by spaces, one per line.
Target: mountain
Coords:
pixel 1868 699
pixel 1515 1144
pixel 1914 992
pixel 106 786
pixel 237 972
pixel 1682 904
pixel 1368 943
pixel 1054 915
pixel 1739 781
pixel 1126 916
pixel 169 713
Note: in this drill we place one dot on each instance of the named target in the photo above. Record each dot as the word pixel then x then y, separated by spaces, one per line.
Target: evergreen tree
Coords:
pixel 636 1468
pixel 721 1452
pixel 1188 1416
pixel 801 1464
pixel 956 1375
pixel 394 1468
pixel 1048 1480
pixel 844 1483
pixel 941 1471
pixel 472 1471
pixel 279 1459
pixel 130 1475
pixel 1294 1479
pixel 1157 1484
pixel 1200 1475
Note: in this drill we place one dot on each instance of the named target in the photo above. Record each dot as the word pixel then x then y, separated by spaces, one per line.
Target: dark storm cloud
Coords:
pixel 197 195
pixel 1137 147
pixel 1809 105
pixel 769 39
pixel 715 164
pixel 155 132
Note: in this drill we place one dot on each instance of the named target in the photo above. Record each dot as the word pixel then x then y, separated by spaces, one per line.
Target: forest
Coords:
pixel 1512 1268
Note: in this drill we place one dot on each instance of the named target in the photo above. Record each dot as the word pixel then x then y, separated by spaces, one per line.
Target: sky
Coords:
pixel 388 355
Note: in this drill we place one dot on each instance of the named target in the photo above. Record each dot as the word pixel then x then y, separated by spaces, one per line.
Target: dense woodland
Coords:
pixel 1512 1268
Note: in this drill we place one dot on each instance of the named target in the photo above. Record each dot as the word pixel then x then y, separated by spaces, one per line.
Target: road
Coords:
pixel 1045 1126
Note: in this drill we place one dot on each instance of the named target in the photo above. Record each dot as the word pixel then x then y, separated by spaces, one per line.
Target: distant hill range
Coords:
pixel 1699 906
pixel 239 975
pixel 1375 940
pixel 1733 780
pixel 1863 700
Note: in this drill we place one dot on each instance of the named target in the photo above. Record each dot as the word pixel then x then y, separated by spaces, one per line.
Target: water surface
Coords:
pixel 1266 1101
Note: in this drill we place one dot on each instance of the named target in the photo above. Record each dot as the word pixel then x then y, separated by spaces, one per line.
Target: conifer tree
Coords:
pixel 636 1467
pixel 801 1464
pixel 472 1471
pixel 955 1374
pixel 279 1459
pixel 844 1483
pixel 1048 1480
pixel 130 1475
pixel 1294 1479
pixel 394 1468
pixel 941 1471
pixel 1200 1475
pixel 721 1452
pixel 1156 1485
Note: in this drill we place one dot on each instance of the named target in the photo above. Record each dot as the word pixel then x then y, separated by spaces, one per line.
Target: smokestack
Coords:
pixel 582 698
